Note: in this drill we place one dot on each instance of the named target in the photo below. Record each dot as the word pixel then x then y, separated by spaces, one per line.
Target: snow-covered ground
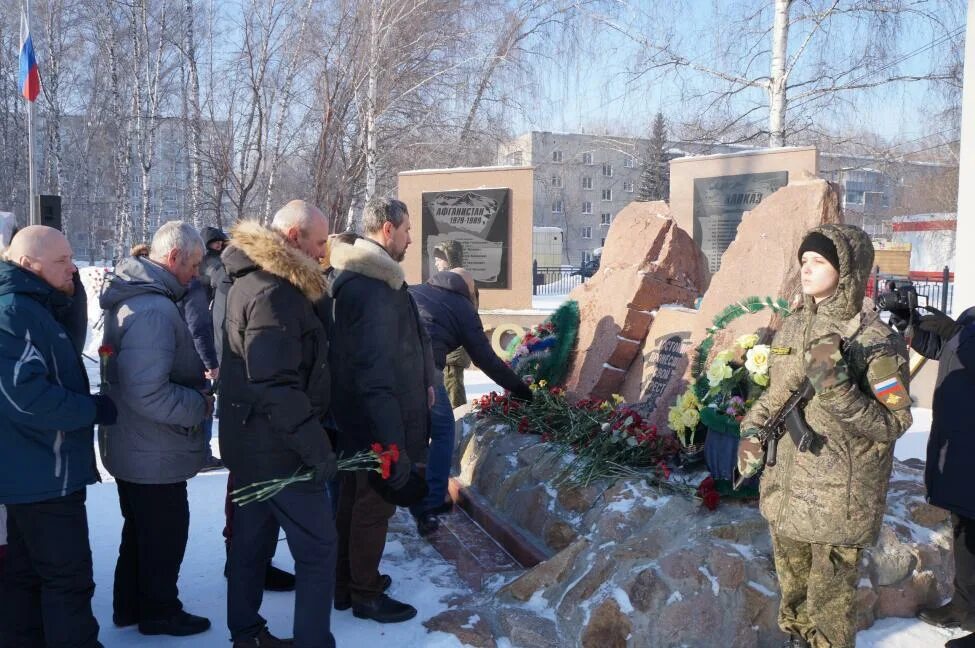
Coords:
pixel 420 575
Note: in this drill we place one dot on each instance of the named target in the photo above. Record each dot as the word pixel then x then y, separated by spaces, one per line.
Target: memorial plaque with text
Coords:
pixel 481 220
pixel 719 203
pixel 662 366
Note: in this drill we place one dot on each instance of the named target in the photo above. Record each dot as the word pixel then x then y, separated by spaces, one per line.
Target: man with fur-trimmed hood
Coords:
pixel 274 393
pixel 379 348
pixel 826 503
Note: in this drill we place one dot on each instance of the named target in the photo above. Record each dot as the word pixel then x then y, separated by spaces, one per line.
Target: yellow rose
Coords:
pixel 690 399
pixel 675 419
pixel 719 371
pixel 724 356
pixel 747 341
pixel 542 383
pixel 756 360
pixel 690 418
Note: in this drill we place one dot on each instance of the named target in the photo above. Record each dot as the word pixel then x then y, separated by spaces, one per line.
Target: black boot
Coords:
pixel 278 580
pixel 181 624
pixel 383 609
pixel 343 601
pixel 795 641
pixel 949 615
pixel 427 523
pixel 968 641
pixel 264 639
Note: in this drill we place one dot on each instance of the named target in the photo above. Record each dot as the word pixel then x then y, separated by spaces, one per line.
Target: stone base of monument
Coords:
pixel 626 565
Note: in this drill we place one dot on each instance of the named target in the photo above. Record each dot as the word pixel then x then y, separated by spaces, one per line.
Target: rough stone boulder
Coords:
pixel 646 568
pixel 761 261
pixel 647 261
pixel 763 258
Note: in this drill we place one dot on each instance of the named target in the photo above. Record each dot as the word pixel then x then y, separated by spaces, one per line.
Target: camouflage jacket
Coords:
pixel 836 494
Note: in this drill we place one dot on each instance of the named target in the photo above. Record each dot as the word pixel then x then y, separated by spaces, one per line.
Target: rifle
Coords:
pixel 788 418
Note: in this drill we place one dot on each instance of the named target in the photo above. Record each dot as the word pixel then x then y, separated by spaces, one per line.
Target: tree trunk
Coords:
pixel 777 76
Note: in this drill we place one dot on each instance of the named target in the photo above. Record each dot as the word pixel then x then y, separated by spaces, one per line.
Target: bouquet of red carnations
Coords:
pixel 377 459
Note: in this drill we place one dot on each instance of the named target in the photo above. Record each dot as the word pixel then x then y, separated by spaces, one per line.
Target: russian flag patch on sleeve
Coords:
pixel 892 393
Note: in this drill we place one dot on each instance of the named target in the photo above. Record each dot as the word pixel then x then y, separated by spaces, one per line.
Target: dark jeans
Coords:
pixel 228 526
pixel 46 589
pixel 362 522
pixel 441 453
pixel 303 511
pixel 964 552
pixel 157 521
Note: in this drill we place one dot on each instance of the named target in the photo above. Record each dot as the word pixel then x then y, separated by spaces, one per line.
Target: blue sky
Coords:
pixel 597 90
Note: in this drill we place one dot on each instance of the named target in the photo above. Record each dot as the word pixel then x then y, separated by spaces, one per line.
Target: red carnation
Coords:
pixel 106 351
pixel 377 448
pixel 710 500
pixel 394 452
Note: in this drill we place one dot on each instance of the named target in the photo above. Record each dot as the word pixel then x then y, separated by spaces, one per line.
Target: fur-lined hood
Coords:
pixel 855 252
pixel 254 247
pixel 368 258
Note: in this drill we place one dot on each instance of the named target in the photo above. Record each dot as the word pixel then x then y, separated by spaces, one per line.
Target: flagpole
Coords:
pixel 30 148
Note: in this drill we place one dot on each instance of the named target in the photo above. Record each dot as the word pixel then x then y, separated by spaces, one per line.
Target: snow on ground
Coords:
pixel 420 575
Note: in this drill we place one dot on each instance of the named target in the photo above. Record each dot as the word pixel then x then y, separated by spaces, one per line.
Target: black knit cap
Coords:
pixel 822 245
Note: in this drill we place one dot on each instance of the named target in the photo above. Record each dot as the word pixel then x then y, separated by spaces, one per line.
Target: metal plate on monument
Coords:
pixel 719 203
pixel 662 366
pixel 481 220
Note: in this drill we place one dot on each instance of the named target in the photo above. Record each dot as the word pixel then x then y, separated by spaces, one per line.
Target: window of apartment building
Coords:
pixel 556 156
pixel 586 232
pixel 556 181
pixel 607 194
pixel 515 158
pixel 628 186
pixel 586 182
pixel 586 207
pixel 557 207
pixel 586 256
pixel 605 219
pixel 628 161
pixel 854 197
pixel 587 158
pixel 607 169
pixel 602 241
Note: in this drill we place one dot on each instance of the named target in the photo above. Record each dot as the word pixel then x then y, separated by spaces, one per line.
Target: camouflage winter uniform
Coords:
pixel 824 505
pixel 453 376
pixel 457 360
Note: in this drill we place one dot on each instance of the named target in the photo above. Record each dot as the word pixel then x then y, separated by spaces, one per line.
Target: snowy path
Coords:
pixel 420 576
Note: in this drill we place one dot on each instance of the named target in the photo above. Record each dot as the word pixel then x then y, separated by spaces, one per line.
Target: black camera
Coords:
pixel 898 300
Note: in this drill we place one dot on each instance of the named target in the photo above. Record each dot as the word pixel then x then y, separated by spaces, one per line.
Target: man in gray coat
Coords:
pixel 156 378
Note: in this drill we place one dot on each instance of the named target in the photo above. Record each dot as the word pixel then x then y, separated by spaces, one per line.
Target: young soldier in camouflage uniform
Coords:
pixel 447 256
pixel 825 504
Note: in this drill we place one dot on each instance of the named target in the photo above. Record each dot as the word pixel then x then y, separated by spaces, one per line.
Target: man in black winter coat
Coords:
pixel 447 311
pixel 951 453
pixel 274 395
pixel 379 349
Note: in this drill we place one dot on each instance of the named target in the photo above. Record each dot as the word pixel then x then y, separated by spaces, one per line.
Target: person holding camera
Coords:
pixel 825 503
pixel 951 450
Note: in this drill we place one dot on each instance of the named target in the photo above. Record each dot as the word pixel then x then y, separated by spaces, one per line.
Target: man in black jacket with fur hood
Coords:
pixel 379 349
pixel 274 392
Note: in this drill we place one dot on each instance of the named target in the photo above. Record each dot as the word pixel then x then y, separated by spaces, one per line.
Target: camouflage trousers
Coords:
pixel 453 376
pixel 453 380
pixel 818 584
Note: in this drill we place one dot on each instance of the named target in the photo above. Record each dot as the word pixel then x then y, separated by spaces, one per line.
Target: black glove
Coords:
pixel 899 321
pixel 523 393
pixel 105 411
pixel 401 472
pixel 939 324
pixel 327 470
pixel 412 492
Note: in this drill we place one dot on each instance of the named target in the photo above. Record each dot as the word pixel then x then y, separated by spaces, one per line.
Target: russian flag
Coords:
pixel 29 78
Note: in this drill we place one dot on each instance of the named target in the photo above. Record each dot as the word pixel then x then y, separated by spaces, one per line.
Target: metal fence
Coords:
pixel 555 280
pixel 935 289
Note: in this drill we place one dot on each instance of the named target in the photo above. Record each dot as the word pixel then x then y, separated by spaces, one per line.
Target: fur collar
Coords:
pixel 368 258
pixel 271 251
